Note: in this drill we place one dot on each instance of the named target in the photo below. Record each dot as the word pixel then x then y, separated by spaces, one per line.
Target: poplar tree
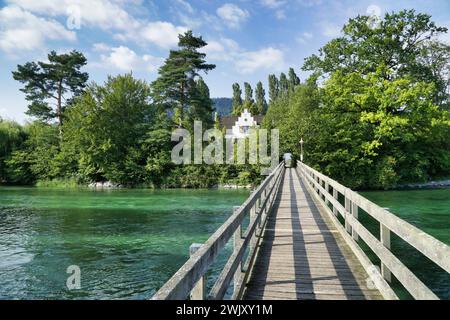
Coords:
pixel 237 99
pixel 293 80
pixel 261 104
pixel 274 88
pixel 249 103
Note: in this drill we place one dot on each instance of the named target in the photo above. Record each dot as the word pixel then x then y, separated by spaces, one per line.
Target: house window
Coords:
pixel 245 129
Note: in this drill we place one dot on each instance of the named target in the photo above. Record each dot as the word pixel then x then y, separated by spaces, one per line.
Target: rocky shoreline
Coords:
pixel 426 185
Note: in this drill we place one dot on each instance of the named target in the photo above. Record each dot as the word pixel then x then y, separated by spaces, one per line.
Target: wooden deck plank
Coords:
pixel 302 256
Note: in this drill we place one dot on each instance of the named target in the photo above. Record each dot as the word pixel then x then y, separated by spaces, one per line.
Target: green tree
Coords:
pixel 35 159
pixel 274 88
pixel 175 87
pixel 261 103
pixel 12 137
pixel 372 132
pixel 293 79
pixel 52 83
pixel 108 125
pixel 237 99
pixel 249 102
pixel 284 84
pixel 201 107
pixel 401 42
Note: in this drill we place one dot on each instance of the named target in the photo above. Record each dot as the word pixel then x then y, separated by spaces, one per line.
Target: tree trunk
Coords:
pixel 59 108
pixel 181 103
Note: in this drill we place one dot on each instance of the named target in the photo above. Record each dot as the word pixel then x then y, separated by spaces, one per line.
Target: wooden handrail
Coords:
pixel 185 279
pixel 432 248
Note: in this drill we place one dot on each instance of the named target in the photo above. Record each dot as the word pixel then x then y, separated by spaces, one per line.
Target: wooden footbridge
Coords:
pixel 298 237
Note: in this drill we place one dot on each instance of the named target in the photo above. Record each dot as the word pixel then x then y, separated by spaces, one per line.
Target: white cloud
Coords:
pixel 111 15
pixel 304 37
pixel 224 49
pixel 310 3
pixel 105 14
pixel 213 46
pixel 444 37
pixel 22 30
pixel 277 5
pixel 232 15
pixel 125 59
pixel 163 34
pixel 273 3
pixel 280 14
pixel 267 59
pixel 373 10
pixel 101 47
pixel 185 6
pixel 245 62
pixel 3 113
pixel 330 30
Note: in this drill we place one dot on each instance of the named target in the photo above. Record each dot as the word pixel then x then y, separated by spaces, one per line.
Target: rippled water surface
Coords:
pixel 129 242
pixel 429 210
pixel 126 242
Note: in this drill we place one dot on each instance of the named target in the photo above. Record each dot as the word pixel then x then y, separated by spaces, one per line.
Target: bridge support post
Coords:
pixel 237 238
pixel 385 237
pixel 199 291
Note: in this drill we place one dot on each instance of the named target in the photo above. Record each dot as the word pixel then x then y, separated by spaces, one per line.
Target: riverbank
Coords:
pixel 108 185
pixel 72 184
pixel 425 185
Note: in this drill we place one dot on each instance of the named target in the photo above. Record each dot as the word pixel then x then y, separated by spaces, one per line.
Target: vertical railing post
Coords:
pixel 355 215
pixel 335 196
pixel 261 210
pixel 385 237
pixel 348 210
pixel 199 290
pixel 237 238
pixel 327 189
pixel 318 182
pixel 253 215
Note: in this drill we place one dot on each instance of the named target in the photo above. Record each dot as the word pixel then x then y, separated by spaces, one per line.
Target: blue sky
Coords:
pixel 248 39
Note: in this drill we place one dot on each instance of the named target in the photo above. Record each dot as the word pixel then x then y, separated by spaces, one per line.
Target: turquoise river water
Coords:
pixel 127 243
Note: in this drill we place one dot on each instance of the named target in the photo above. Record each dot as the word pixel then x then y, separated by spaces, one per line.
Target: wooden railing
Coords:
pixel 327 193
pixel 189 280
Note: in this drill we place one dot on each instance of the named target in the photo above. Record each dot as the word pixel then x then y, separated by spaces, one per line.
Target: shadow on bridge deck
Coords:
pixel 302 256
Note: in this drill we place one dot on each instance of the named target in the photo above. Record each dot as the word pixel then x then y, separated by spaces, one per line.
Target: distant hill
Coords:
pixel 223 106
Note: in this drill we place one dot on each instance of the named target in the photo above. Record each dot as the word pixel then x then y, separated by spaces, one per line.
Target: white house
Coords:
pixel 238 126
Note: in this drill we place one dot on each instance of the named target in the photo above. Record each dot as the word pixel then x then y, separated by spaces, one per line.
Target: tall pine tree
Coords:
pixel 284 84
pixel 201 106
pixel 55 82
pixel 175 88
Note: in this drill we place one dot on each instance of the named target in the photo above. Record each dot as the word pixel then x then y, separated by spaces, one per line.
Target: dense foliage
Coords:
pixel 119 131
pixel 373 113
pixel 55 82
